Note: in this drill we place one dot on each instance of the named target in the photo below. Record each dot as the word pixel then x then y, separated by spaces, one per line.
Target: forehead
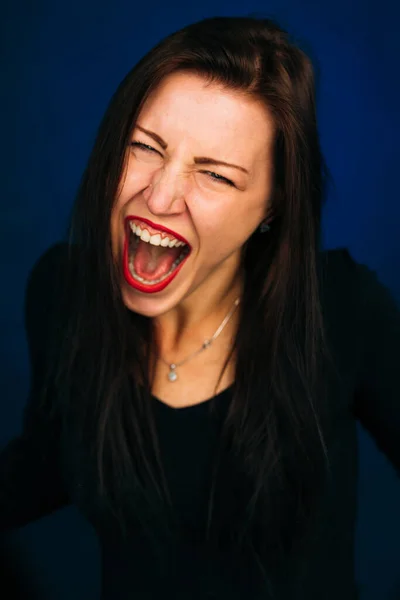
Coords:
pixel 187 106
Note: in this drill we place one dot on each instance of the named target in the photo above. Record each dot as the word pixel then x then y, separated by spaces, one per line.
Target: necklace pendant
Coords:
pixel 172 376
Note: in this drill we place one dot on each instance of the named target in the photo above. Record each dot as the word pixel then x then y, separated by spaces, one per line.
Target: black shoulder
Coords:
pixel 43 294
pixel 338 260
pixel 340 269
pixel 352 282
pixel 339 263
pixel 337 275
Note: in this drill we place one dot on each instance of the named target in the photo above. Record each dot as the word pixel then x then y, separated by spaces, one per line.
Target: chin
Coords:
pixel 146 305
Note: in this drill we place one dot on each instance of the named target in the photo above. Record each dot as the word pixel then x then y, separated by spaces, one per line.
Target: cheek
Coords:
pixel 115 243
pixel 219 243
pixel 117 228
pixel 137 177
pixel 228 228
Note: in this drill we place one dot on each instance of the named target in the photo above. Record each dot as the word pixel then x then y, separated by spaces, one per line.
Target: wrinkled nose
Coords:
pixel 166 194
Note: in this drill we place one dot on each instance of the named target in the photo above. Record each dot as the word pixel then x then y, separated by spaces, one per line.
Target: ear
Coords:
pixel 268 218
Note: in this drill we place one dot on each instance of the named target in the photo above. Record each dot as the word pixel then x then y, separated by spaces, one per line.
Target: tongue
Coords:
pixel 152 262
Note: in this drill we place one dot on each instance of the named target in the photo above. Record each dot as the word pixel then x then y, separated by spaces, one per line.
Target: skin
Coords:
pixel 196 119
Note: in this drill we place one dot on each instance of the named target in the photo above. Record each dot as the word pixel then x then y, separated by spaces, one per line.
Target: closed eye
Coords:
pixel 219 178
pixel 144 147
pixel 214 176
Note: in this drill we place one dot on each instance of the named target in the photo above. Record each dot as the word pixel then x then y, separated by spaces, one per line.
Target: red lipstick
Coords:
pixel 157 228
pixel 134 283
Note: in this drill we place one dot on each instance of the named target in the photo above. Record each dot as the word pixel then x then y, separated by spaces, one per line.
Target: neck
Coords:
pixel 185 327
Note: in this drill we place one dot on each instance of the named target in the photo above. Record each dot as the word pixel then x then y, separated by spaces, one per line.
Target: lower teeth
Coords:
pixel 155 281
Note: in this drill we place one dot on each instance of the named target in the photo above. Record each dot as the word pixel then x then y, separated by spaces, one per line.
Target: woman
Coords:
pixel 198 362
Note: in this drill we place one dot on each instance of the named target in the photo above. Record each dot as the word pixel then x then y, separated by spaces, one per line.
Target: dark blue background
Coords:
pixel 60 65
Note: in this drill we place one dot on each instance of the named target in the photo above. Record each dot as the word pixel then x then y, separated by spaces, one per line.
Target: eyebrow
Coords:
pixel 199 160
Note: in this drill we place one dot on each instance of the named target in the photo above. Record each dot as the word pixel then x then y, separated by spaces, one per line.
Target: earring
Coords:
pixel 264 227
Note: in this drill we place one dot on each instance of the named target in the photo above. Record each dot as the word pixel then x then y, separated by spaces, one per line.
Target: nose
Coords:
pixel 165 194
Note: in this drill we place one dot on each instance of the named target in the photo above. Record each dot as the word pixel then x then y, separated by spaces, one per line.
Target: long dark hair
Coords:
pixel 274 435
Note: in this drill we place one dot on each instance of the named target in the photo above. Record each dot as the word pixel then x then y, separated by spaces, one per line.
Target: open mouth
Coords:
pixel 153 257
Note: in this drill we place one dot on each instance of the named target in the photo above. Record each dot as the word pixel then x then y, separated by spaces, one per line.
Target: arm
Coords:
pixel 377 401
pixel 30 479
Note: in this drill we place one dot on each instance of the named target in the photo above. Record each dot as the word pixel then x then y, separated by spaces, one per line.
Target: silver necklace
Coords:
pixel 172 375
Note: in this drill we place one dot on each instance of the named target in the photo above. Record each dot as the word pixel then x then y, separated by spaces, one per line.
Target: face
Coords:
pixel 198 170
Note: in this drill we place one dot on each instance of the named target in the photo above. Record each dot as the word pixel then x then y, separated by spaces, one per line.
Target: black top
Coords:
pixel 39 475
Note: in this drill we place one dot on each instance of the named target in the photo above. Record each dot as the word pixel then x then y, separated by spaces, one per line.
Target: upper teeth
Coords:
pixel 155 240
